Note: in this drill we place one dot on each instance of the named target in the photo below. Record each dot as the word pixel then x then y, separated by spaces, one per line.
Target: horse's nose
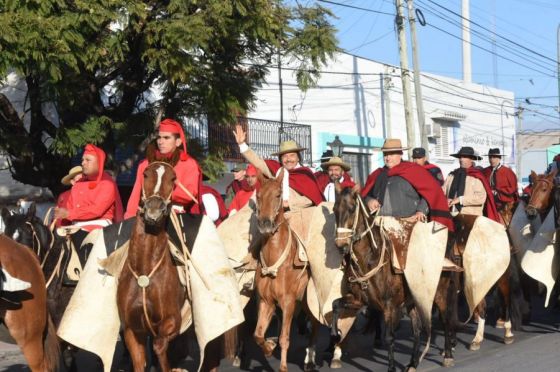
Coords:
pixel 154 210
pixel 266 226
pixel 531 213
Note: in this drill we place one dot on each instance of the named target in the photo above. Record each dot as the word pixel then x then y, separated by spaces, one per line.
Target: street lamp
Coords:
pixel 337 146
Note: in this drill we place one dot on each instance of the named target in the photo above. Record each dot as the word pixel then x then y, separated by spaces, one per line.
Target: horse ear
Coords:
pixel 533 176
pixel 31 211
pixel 260 177
pixel 337 187
pixel 356 189
pixel 280 177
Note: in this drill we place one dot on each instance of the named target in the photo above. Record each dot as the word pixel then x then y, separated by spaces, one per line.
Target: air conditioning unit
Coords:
pixel 433 130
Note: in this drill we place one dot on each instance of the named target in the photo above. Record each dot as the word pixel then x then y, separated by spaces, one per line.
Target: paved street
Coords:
pixel 537 348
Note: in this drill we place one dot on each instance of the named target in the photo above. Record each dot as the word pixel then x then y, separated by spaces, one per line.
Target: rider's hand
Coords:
pixel 285 204
pixel 239 134
pixel 420 217
pixel 373 205
pixel 60 213
pixel 451 202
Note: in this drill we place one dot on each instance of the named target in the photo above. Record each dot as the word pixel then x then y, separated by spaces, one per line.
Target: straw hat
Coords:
pixel 468 152
pixel 393 144
pixel 71 174
pixel 335 160
pixel 288 146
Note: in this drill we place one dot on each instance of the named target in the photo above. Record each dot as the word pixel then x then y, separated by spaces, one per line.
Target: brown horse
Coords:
pixel 543 195
pixel 370 280
pixel 149 293
pixel 25 313
pixel 278 280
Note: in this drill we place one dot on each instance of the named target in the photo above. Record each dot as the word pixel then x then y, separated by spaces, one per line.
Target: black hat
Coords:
pixel 494 152
pixel 467 151
pixel 418 152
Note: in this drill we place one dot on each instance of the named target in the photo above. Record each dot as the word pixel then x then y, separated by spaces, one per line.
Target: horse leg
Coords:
pixel 136 350
pixel 479 336
pixel 288 306
pixel 391 321
pixel 310 351
pixel 160 345
pixel 416 329
pixel 266 310
pixel 446 303
pixel 505 294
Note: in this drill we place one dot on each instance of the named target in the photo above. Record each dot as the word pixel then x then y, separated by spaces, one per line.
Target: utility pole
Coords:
pixel 518 143
pixel 388 85
pixel 417 85
pixel 467 72
pixel 281 97
pixel 558 61
pixel 405 73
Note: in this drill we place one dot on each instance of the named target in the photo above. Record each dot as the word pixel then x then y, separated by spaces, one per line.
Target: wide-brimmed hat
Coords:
pixel 335 160
pixel 71 174
pixel 393 144
pixel 494 152
pixel 468 152
pixel 288 146
pixel 418 152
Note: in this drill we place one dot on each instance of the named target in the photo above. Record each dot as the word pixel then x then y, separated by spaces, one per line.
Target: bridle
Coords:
pixel 156 196
pixel 354 236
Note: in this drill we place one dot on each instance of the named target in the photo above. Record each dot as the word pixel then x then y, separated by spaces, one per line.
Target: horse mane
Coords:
pixel 152 151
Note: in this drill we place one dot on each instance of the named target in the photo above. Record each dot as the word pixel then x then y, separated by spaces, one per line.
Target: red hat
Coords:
pixel 251 170
pixel 171 126
pixel 100 154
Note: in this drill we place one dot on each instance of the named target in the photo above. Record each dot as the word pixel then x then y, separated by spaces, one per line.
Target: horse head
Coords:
pixel 157 187
pixel 345 211
pixel 541 195
pixel 269 203
pixel 27 229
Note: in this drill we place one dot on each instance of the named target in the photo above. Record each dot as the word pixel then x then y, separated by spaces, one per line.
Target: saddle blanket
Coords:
pixel 214 310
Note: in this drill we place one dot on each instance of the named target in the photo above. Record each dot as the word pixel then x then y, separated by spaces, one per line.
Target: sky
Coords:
pixel 523 58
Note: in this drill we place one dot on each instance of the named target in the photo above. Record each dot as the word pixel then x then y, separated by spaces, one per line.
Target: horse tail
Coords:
pixel 517 301
pixel 229 343
pixel 51 347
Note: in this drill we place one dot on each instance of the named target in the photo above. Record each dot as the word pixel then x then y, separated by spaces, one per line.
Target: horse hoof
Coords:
pixel 500 324
pixel 236 362
pixel 410 369
pixel 268 348
pixel 335 364
pixel 508 340
pixel 283 369
pixel 448 362
pixel 308 367
pixel 474 346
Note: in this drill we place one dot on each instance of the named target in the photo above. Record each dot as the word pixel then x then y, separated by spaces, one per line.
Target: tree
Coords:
pixel 111 69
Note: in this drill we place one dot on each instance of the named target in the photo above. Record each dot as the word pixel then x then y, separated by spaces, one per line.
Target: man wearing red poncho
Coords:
pixel 246 191
pixel 299 188
pixel 335 169
pixel 467 189
pixel 94 201
pixel 404 189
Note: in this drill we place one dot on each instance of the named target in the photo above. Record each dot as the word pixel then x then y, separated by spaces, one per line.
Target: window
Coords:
pixel 360 164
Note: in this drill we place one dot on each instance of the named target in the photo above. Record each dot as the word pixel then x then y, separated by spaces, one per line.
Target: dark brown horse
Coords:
pixel 278 280
pixel 543 195
pixel 149 293
pixel 370 280
pixel 25 313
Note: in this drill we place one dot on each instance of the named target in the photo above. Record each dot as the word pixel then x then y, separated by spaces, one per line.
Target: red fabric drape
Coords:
pixel 302 180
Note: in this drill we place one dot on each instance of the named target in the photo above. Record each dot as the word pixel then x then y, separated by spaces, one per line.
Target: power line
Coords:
pixel 494 33
pixel 356 7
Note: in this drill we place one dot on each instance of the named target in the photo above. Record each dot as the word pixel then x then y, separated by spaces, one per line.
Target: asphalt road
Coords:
pixel 536 348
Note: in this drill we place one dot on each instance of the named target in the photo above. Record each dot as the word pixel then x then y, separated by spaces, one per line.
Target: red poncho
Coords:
pixel 302 180
pixel 424 184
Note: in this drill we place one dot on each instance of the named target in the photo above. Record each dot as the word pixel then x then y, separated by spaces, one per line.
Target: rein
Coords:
pixel 355 236
pixel 273 270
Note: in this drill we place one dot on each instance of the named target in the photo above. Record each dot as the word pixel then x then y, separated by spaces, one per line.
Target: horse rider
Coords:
pixel 94 200
pixel 420 158
pixel 246 192
pixel 171 147
pixel 336 170
pixel 503 181
pixel 467 189
pixel 300 188
pixel 214 206
pixel 404 189
pixel 237 184
pixel 555 164
pixel 73 176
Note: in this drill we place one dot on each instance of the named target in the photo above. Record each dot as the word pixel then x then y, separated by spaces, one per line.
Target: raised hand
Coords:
pixel 239 134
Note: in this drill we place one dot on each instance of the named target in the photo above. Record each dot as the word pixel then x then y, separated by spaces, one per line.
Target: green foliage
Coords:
pixel 113 67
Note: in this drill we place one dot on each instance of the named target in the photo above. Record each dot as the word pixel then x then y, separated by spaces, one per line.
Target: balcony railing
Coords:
pixel 264 137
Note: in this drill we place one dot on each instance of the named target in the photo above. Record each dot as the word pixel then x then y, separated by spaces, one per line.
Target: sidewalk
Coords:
pixel 7 350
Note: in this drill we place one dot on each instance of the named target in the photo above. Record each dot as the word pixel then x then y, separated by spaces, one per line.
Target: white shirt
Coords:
pixel 329 191
pixel 211 206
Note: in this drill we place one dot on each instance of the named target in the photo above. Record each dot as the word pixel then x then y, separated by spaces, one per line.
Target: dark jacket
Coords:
pixel 401 199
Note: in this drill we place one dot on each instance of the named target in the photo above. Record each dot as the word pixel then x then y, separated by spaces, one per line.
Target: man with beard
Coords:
pixel 336 170
pixel 247 190
pixel 299 188
pixel 467 189
pixel 403 189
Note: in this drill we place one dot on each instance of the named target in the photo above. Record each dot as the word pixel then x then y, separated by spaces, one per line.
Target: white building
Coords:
pixel 361 101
